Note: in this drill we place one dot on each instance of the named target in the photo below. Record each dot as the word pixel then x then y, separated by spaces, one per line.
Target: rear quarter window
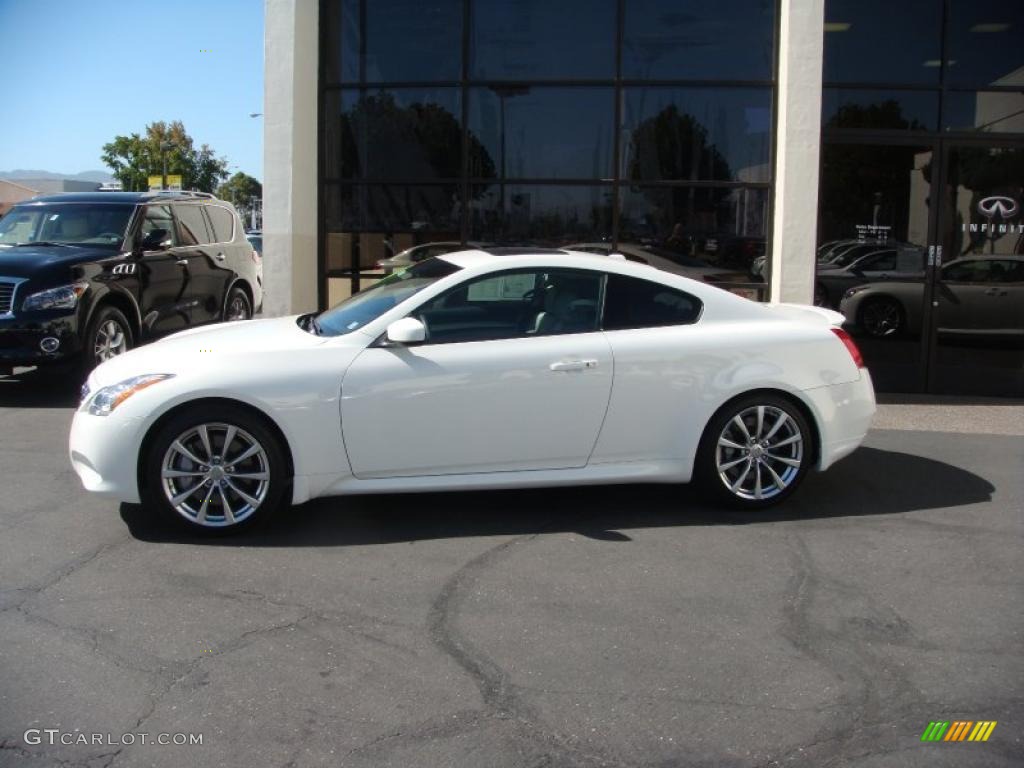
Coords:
pixel 634 303
pixel 223 223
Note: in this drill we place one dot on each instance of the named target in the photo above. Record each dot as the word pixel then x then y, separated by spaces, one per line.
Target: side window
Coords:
pixel 223 223
pixel 633 303
pixel 159 217
pixel 967 272
pixel 192 229
pixel 514 304
pixel 882 262
pixel 1008 271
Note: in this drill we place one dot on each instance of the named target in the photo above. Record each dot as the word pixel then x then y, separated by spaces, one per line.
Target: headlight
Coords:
pixel 64 297
pixel 855 289
pixel 108 398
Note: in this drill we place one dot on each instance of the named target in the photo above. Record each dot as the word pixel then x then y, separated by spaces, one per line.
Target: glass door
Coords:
pixel 977 287
pixel 875 227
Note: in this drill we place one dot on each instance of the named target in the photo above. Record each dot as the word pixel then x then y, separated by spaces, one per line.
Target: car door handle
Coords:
pixel 573 365
pixel 182 262
pixel 220 257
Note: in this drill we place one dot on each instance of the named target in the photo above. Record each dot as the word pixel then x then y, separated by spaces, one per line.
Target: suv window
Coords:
pixel 192 228
pixel 514 304
pixel 630 302
pixel 159 217
pixel 223 223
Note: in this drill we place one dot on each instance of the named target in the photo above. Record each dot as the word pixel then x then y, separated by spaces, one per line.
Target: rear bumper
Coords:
pixel 844 413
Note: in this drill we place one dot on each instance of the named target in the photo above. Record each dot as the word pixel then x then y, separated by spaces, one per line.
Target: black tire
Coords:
pixel 881 317
pixel 821 296
pixel 98 337
pixel 771 465
pixel 201 513
pixel 237 306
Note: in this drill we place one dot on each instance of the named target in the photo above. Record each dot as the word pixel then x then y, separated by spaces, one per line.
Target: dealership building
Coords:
pixel 866 155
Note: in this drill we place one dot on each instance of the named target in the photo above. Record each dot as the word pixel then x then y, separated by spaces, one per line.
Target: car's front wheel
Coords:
pixel 216 469
pixel 107 336
pixel 881 317
pixel 755 452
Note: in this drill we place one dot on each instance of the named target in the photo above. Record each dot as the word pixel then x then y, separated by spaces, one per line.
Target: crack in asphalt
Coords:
pixel 861 673
pixel 502 705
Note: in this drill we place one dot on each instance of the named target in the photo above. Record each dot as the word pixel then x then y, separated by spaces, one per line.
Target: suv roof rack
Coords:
pixel 182 193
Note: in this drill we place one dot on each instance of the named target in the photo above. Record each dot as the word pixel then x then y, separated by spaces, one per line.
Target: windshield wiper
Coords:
pixel 44 243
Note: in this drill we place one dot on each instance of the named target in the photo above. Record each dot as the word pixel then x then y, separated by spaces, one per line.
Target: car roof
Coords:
pixel 120 197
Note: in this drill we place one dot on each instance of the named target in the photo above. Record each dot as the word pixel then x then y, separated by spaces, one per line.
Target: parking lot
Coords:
pixel 578 627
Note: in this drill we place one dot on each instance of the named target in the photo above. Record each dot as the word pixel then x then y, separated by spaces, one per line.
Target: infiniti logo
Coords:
pixel 1004 207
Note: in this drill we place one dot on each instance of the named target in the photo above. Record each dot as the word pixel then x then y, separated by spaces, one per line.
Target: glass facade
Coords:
pixel 615 122
pixel 920 226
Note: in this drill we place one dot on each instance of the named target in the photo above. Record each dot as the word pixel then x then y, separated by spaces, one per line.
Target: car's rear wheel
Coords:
pixel 755 452
pixel 237 306
pixel 881 317
pixel 107 336
pixel 216 469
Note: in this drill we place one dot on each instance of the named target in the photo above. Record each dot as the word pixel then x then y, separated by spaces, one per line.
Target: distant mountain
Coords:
pixel 98 176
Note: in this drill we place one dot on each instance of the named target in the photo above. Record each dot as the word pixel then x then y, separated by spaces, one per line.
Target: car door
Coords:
pixel 514 375
pixel 162 274
pixel 205 284
pixel 964 295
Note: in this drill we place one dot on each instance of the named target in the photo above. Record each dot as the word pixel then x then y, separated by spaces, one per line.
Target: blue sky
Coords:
pixel 79 72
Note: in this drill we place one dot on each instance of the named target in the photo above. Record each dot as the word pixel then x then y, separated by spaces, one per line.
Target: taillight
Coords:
pixel 255 256
pixel 851 346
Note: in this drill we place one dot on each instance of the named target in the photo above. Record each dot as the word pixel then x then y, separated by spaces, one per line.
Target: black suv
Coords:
pixel 86 276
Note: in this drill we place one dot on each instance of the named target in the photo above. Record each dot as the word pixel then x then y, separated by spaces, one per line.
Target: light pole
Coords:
pixel 165 146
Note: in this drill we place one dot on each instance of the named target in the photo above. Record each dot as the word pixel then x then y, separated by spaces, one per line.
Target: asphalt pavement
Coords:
pixel 624 626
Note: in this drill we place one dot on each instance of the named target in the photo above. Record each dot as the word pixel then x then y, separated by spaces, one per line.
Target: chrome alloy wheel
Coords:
pixel 238 308
pixel 111 340
pixel 759 452
pixel 215 474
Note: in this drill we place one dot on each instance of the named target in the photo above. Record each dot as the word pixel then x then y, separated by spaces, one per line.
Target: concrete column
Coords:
pixel 801 38
pixel 291 40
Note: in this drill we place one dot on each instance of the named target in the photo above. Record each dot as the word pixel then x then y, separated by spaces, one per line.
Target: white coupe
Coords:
pixel 478 370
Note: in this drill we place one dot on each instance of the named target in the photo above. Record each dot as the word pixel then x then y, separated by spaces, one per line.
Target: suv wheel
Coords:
pixel 215 469
pixel 237 307
pixel 108 335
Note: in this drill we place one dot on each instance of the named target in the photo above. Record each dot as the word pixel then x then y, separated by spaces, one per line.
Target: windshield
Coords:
pixel 93 224
pixel 356 311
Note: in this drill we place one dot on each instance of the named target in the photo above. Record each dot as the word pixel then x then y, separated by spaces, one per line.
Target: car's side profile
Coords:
pixel 85 277
pixel 977 296
pixel 479 371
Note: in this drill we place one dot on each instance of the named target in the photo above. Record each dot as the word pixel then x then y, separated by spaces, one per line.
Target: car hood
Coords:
pixel 28 261
pixel 222 344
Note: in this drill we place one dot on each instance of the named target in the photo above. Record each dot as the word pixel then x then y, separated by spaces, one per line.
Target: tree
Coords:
pixel 242 190
pixel 135 157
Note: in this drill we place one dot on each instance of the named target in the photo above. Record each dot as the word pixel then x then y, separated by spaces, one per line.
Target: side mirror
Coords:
pixel 155 240
pixel 408 330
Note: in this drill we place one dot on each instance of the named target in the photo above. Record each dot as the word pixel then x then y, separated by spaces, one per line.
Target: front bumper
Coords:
pixel 104 451
pixel 20 339
pixel 844 413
